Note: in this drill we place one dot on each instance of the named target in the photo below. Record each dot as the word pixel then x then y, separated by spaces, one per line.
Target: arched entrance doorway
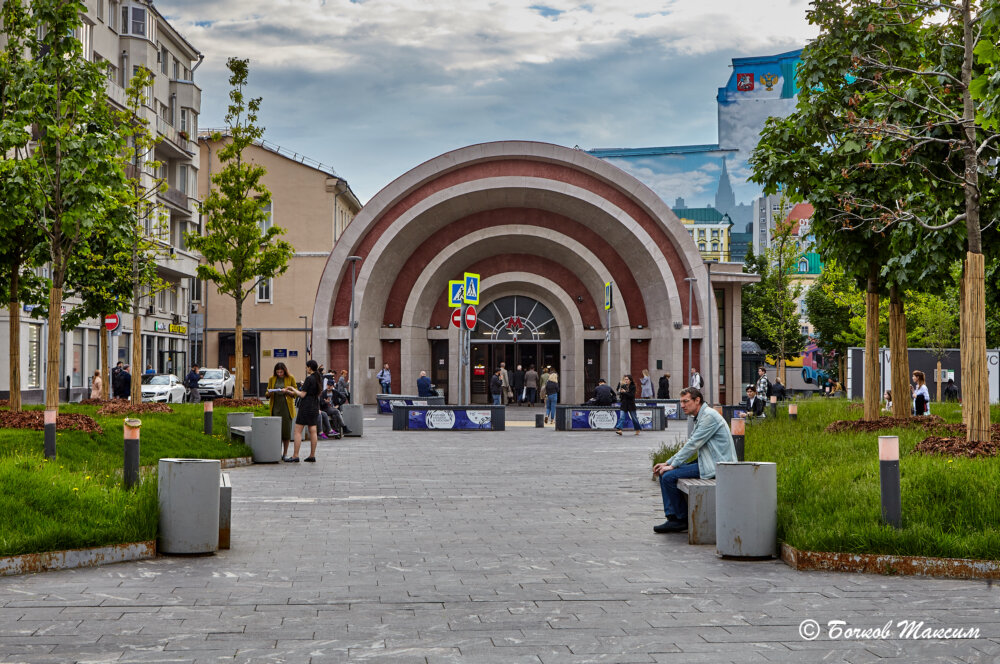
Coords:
pixel 515 330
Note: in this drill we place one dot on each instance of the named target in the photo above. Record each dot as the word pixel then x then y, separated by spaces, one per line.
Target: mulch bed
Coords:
pixel 928 422
pixel 239 403
pixel 35 419
pixel 956 445
pixel 125 407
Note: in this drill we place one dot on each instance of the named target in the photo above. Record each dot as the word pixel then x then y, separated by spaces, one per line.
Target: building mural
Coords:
pixel 716 176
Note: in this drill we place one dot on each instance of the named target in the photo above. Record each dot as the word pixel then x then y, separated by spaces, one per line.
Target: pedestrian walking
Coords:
pixel 647 385
pixel 663 391
pixel 551 397
pixel 191 382
pixel 96 386
pixel 626 397
pixel 517 384
pixel 385 379
pixel 530 385
pixel 696 381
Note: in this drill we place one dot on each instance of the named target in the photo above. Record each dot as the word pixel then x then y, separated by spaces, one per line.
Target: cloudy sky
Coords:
pixel 375 87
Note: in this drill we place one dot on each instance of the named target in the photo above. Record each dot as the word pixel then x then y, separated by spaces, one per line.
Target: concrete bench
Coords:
pixel 225 509
pixel 701 509
pixel 241 432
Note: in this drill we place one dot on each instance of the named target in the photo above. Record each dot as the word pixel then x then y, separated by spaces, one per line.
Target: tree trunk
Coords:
pixel 15 340
pixel 938 374
pixel 780 372
pixel 52 361
pixel 105 385
pixel 975 385
pixel 872 395
pixel 898 355
pixel 842 369
pixel 238 390
pixel 135 393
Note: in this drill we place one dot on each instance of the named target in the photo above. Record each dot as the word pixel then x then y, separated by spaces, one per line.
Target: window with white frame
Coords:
pixel 177 69
pixel 164 59
pixel 184 119
pixel 264 291
pixel 113 14
pixel 196 290
pixel 138 25
pixel 803 265
pixel 34 356
pixel 268 221
pixel 100 10
pixel 182 179
pixel 85 34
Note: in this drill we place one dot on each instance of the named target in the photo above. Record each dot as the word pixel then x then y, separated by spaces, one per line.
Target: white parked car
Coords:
pixel 216 383
pixel 162 388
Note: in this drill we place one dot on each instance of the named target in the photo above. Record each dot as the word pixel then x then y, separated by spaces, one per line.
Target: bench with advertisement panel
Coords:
pixel 387 401
pixel 448 418
pixel 605 418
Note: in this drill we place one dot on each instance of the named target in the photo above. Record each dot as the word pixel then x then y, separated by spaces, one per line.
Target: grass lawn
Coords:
pixel 829 492
pixel 77 500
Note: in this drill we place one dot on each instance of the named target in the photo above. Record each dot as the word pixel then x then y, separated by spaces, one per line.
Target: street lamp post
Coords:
pixel 708 323
pixel 350 377
pixel 306 330
pixel 690 281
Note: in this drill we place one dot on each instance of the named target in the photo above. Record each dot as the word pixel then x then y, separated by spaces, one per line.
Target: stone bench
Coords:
pixel 243 433
pixel 701 509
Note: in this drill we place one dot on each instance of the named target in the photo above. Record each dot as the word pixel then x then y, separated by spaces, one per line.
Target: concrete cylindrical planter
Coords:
pixel 265 441
pixel 189 505
pixel 746 509
pixel 354 418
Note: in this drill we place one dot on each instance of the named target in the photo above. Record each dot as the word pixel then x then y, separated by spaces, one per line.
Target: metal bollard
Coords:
pixel 130 473
pixel 888 466
pixel 208 417
pixel 793 411
pixel 539 421
pixel 50 434
pixel 738 427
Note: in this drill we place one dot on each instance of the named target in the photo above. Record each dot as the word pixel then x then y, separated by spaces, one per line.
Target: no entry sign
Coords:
pixel 456 318
pixel 470 317
pixel 112 322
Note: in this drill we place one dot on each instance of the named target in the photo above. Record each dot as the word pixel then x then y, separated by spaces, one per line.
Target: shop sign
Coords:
pixel 178 329
pixel 159 327
pixel 266 353
pixel 281 352
pixel 293 353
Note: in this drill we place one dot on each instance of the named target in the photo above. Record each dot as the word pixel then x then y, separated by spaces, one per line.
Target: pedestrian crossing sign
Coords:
pixel 456 293
pixel 471 288
pixel 608 303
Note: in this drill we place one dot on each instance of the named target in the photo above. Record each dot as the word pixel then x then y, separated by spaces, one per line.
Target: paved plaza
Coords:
pixel 521 546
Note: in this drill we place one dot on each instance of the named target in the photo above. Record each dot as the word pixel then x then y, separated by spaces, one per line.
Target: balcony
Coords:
pixel 188 94
pixel 180 265
pixel 186 147
pixel 177 199
pixel 116 93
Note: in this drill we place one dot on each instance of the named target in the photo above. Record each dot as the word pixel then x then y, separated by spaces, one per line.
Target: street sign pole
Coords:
pixel 608 305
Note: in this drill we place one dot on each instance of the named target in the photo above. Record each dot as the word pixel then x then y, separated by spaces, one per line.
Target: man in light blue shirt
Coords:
pixel 713 442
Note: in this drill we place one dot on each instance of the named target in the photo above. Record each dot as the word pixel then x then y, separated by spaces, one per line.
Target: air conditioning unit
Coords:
pixel 150 311
pixel 177 319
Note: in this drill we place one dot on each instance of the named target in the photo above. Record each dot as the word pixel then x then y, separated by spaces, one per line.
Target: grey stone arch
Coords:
pixel 558 197
pixel 634 245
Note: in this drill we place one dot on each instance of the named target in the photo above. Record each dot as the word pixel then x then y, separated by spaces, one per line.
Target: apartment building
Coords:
pixel 125 35
pixel 314 205
pixel 710 229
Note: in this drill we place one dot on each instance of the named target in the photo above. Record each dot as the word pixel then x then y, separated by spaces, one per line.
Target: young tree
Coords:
pixel 835 307
pixel 241 252
pixel 144 223
pixel 774 310
pixel 72 170
pixel 19 240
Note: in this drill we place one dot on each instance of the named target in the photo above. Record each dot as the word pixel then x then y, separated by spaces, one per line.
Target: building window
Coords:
pixel 803 266
pixel 701 246
pixel 264 291
pixel 196 290
pixel 100 10
pixel 184 119
pixel 34 356
pixel 177 69
pixel 805 330
pixel 715 246
pixel 92 362
pixel 113 14
pixel 182 179
pixel 715 235
pixel 78 358
pixel 85 33
pixel 138 22
pixel 268 221
pixel 164 59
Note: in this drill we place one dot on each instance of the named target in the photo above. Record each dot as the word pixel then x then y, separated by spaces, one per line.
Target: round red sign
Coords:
pixel 112 321
pixel 470 317
pixel 456 318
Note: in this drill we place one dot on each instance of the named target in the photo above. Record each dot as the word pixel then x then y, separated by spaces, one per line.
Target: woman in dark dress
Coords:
pixel 308 410
pixel 664 391
pixel 626 395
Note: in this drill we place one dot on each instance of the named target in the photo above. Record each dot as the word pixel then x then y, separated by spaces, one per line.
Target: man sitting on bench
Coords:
pixel 713 442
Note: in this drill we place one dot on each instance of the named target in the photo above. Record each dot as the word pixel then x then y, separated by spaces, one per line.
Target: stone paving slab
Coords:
pixel 528 545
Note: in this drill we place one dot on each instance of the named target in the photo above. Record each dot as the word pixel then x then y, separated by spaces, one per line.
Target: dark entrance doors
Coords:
pixel 486 358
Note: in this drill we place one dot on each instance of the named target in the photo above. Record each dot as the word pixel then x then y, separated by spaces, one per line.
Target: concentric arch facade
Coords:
pixel 545 226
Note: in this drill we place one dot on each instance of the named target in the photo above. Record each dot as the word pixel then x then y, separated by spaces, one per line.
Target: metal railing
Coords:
pixel 277 149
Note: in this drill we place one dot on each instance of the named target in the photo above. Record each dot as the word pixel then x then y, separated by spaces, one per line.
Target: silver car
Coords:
pixel 162 388
pixel 216 383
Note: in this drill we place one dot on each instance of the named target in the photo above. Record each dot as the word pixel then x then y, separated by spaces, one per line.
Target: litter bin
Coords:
pixel 237 420
pixel 746 509
pixel 265 440
pixel 189 505
pixel 354 418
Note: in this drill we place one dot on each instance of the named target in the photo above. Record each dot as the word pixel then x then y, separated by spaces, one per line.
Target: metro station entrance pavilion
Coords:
pixel 546 227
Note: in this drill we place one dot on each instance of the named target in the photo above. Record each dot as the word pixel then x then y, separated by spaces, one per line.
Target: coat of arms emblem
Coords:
pixel 744 82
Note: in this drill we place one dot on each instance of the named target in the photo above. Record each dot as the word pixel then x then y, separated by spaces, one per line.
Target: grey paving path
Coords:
pixel 524 546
